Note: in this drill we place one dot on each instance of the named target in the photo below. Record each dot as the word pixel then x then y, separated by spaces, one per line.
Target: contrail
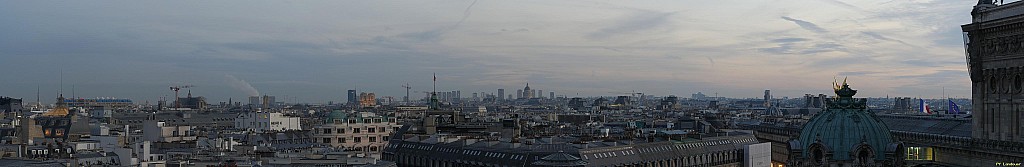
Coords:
pixel 465 14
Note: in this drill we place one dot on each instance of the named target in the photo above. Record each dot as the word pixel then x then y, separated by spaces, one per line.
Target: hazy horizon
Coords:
pixel 312 51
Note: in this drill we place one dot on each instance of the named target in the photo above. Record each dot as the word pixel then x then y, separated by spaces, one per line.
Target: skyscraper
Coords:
pixel 501 94
pixel 767 98
pixel 353 97
pixel 551 95
pixel 540 94
pixel 367 100
pixel 519 93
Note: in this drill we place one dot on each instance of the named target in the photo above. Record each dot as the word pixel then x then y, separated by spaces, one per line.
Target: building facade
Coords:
pixel 995 61
pixel 360 132
pixel 262 122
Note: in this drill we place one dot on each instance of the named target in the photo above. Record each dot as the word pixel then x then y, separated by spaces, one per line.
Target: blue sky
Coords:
pixel 311 51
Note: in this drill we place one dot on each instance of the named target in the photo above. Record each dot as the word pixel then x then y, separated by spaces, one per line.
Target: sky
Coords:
pixel 312 51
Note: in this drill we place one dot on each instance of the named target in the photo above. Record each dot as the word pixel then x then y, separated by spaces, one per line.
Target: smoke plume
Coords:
pixel 242 85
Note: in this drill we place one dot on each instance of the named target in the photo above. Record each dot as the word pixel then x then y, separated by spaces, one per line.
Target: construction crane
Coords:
pixel 176 89
pixel 407 88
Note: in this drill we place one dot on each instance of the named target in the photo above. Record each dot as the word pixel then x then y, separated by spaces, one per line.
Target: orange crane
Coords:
pixel 175 89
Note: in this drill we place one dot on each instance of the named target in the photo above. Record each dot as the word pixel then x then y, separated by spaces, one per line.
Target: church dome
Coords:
pixel 845 132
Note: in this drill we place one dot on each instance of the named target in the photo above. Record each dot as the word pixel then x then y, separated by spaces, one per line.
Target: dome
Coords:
pixel 337 115
pixel 59 111
pixel 845 131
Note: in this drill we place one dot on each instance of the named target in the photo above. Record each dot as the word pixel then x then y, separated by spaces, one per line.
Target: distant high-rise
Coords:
pixel 811 101
pixel 367 100
pixel 540 94
pixel 509 97
pixel 551 95
pixel 268 102
pixel 903 104
pixel 767 98
pixel 519 93
pixel 352 97
pixel 501 94
pixel 254 101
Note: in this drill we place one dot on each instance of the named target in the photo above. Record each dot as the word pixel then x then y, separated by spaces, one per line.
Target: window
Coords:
pixel 351 121
pixel 341 140
pixel 341 131
pixel 1016 83
pixel 327 130
pixel 366 120
pixel 356 139
pixel 355 130
pixel 371 130
pixel 992 84
pixel 382 129
pixel 384 138
pixel 373 139
pixel 327 140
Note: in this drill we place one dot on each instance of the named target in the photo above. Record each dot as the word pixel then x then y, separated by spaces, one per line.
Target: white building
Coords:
pixel 161 131
pixel 262 121
pixel 362 132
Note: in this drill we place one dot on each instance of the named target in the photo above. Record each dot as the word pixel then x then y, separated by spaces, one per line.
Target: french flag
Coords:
pixel 924 107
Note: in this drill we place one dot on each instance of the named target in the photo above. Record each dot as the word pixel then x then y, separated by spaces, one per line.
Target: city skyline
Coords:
pixel 315 51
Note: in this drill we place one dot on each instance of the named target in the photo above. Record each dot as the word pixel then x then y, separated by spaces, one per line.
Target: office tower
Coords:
pixel 519 93
pixel 540 94
pixel 510 97
pixel 811 101
pixel 767 98
pixel 903 104
pixel 551 95
pixel 367 100
pixel 353 97
pixel 501 94
pixel 254 101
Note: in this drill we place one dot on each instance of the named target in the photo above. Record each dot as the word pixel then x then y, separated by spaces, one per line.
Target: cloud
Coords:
pixel 884 38
pixel 806 25
pixel 636 23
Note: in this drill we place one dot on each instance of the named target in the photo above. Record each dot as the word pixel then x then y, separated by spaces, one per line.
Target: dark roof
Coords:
pixel 958 127
pixel 560 159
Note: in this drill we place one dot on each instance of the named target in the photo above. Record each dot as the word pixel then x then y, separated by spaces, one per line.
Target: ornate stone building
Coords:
pixel 995 54
pixel 845 134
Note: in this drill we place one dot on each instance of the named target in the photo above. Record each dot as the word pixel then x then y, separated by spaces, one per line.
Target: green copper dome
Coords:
pixel 844 131
pixel 337 115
